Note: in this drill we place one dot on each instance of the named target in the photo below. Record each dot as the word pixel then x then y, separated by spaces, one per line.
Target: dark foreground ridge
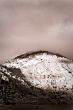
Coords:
pixel 16 89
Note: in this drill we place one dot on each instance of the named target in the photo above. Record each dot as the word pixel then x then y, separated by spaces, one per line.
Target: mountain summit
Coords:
pixel 38 77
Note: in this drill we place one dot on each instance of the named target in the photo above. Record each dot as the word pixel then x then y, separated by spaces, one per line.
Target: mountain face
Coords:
pixel 38 77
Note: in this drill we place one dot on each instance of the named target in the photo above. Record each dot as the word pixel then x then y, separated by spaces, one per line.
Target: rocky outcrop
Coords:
pixel 38 77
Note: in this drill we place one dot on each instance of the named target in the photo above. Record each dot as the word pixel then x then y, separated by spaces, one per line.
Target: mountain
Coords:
pixel 39 77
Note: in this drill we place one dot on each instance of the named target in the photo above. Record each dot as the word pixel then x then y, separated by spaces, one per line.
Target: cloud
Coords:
pixel 27 25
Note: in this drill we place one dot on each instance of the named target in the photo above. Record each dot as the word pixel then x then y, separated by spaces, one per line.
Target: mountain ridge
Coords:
pixel 36 76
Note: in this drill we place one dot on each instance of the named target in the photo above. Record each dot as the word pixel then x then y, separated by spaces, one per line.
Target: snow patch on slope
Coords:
pixel 46 71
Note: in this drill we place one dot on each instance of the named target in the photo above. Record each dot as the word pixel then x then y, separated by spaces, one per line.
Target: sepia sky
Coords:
pixel 30 25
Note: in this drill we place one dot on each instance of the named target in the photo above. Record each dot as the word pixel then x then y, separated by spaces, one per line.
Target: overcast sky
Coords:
pixel 30 25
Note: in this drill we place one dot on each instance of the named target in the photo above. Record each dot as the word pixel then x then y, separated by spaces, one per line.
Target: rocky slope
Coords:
pixel 38 77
